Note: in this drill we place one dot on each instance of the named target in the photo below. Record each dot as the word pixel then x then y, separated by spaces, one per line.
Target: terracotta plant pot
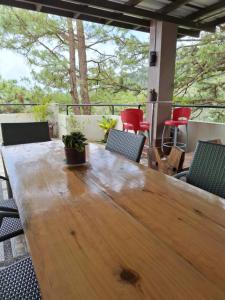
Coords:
pixel 73 157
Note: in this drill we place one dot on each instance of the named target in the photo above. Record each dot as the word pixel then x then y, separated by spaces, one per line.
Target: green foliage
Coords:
pixel 106 124
pixel 41 111
pixel 75 140
pixel 117 63
pixel 43 40
pixel 200 67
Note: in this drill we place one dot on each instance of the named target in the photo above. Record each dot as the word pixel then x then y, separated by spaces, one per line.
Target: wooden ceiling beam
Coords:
pixel 84 9
pixel 123 8
pixel 184 32
pixel 83 16
pixel 205 11
pixel 67 14
pixel 172 6
pixel 216 22
pixel 133 2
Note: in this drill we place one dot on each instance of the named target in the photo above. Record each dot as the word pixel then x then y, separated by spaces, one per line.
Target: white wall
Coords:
pixel 88 124
pixel 198 130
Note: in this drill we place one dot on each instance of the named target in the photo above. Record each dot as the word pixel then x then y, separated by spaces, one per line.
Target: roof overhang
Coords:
pixel 190 16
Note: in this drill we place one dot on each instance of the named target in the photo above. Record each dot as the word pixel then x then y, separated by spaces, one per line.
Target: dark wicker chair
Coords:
pixel 207 169
pixel 127 144
pixel 10 225
pixel 8 205
pixel 19 282
pixel 22 133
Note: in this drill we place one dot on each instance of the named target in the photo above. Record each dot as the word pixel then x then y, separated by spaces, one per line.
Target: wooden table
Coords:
pixel 114 229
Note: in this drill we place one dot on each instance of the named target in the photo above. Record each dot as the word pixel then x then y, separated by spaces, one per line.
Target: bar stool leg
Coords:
pixel 175 136
pixel 149 140
pixel 186 145
pixel 163 133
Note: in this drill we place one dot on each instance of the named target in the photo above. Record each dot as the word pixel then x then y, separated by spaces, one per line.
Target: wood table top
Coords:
pixel 114 229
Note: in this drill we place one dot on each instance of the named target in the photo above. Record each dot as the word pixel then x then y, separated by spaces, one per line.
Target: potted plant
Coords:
pixel 106 124
pixel 75 148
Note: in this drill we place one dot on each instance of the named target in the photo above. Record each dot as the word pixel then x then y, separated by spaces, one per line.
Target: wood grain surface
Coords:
pixel 114 229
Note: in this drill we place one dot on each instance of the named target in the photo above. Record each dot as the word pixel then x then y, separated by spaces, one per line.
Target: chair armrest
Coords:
pixel 8 214
pixel 182 175
pixel 4 178
pixel 3 208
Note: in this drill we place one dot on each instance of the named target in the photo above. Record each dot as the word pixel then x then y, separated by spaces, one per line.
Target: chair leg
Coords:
pixel 163 133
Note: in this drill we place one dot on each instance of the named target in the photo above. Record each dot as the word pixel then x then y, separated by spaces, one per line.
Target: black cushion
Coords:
pixel 127 144
pixel 22 133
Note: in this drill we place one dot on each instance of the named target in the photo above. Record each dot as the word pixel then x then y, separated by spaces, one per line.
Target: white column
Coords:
pixel 163 37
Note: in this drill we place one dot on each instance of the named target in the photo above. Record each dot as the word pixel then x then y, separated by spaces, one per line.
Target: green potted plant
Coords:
pixel 106 124
pixel 75 148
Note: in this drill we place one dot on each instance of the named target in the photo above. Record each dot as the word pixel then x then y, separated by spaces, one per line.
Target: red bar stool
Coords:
pixel 180 117
pixel 132 119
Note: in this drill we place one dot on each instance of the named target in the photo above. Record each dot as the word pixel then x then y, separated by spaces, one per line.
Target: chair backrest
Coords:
pixel 207 169
pixel 132 116
pixel 22 133
pixel 127 144
pixel 181 113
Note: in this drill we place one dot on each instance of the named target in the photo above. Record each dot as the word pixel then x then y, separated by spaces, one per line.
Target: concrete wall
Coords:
pixel 198 130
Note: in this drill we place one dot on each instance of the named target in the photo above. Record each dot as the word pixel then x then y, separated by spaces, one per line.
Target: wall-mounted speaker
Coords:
pixel 153 58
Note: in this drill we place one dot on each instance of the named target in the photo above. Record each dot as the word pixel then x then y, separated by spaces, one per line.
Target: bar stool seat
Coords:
pixel 175 123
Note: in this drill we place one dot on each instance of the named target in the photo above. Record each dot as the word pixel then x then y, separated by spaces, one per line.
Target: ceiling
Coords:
pixel 190 16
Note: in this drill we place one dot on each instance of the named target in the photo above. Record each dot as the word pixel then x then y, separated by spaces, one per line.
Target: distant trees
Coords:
pixel 200 68
pixel 70 56
pixel 86 62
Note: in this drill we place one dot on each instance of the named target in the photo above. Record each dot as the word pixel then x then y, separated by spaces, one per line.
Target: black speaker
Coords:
pixel 153 58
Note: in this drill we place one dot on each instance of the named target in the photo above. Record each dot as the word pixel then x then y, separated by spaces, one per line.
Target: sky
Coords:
pixel 13 65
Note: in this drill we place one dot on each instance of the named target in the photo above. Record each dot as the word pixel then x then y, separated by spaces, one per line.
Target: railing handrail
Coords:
pixel 199 105
pixel 19 104
pixel 113 105
pixel 101 105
